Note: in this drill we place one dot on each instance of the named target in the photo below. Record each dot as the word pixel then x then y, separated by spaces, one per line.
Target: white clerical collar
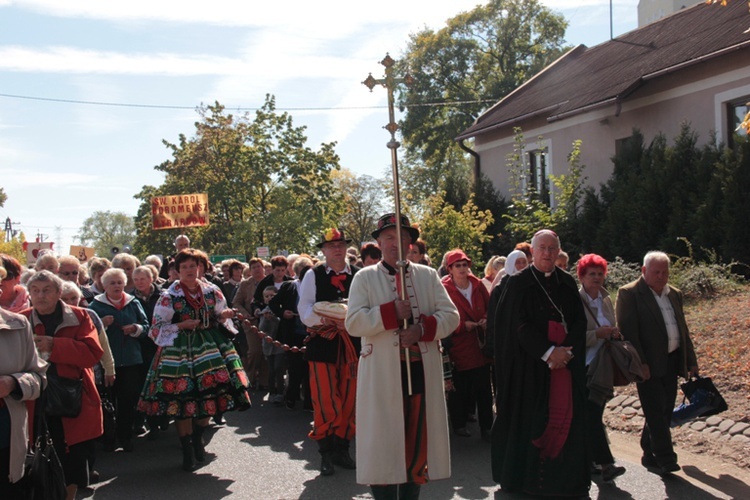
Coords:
pixel 546 275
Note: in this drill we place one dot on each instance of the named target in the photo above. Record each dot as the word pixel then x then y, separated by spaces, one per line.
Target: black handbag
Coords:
pixel 62 398
pixel 43 478
pixel 703 389
pixel 109 437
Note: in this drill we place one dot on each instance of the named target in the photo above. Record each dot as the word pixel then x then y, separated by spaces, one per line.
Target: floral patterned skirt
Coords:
pixel 197 377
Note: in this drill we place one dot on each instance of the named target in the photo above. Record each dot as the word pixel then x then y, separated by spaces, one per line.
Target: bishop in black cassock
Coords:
pixel 538 438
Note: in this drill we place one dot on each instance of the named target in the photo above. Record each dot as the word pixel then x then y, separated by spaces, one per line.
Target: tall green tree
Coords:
pixel 104 230
pixel 488 198
pixel 662 195
pixel 363 202
pixel 259 174
pixel 421 179
pixel 479 57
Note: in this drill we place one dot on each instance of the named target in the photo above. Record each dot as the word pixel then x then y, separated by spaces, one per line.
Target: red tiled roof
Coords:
pixel 588 77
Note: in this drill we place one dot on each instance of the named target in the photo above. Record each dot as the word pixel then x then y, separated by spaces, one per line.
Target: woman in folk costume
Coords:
pixel 402 437
pixel 196 372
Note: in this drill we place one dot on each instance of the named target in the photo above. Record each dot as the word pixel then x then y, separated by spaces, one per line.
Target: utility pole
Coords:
pixel 10 233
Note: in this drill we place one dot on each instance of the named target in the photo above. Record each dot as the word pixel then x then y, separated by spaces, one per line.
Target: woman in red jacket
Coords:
pixel 66 337
pixel 471 369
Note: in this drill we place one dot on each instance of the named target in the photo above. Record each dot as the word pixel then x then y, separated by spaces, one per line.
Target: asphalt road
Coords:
pixel 264 453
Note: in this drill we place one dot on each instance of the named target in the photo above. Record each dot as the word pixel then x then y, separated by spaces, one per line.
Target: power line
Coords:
pixel 167 106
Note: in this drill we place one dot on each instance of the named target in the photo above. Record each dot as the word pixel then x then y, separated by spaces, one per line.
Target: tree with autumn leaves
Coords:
pixel 265 185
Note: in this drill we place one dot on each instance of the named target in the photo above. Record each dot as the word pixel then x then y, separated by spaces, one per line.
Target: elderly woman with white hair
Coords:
pixel 127 263
pixel 47 262
pixel 97 266
pixel 125 322
pixel 71 295
pixel 67 338
pixel 153 260
pixel 21 379
pixel 68 266
pixel 491 270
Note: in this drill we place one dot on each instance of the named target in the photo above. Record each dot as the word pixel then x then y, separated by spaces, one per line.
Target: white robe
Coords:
pixel 380 415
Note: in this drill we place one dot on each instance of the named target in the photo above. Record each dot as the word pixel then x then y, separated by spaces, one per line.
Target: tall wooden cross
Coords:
pixel 390 82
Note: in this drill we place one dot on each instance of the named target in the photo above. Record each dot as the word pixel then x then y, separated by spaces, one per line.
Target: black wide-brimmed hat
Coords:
pixel 389 220
pixel 333 234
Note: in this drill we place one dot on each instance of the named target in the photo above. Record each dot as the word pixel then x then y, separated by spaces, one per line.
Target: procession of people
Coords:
pixel 371 340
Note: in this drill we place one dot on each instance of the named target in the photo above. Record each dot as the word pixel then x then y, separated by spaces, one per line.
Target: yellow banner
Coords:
pixel 84 254
pixel 183 210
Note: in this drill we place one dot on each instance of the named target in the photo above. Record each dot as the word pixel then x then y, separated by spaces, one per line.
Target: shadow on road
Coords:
pixel 154 471
pixel 725 483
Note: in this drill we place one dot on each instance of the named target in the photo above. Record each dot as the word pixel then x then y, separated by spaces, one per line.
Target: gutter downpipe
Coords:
pixel 477 163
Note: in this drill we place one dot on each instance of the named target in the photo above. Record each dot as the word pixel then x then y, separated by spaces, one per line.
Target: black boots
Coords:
pixel 384 491
pixel 334 451
pixel 408 491
pixel 192 448
pixel 326 450
pixel 198 449
pixel 187 453
pixel 405 491
pixel 341 455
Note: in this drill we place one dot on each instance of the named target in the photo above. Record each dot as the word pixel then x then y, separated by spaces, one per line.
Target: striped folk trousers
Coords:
pixel 333 391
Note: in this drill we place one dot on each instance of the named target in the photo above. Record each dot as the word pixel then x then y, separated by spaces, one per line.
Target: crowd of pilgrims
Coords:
pixel 247 336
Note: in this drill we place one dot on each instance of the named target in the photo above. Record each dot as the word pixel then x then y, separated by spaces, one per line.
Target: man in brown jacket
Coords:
pixel 649 314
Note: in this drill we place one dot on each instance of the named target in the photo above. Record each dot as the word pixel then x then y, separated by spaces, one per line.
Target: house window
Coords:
pixel 736 111
pixel 539 186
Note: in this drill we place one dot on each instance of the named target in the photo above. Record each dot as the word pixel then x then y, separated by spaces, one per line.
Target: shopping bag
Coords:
pixel 703 387
pixel 702 399
pixel 44 478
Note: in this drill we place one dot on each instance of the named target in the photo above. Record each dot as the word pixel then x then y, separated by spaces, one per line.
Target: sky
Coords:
pixel 61 160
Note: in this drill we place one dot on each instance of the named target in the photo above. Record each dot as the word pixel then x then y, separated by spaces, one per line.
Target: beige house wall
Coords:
pixel 653 10
pixel 696 94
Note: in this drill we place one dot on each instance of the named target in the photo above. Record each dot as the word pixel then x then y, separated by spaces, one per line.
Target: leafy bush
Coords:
pixel 621 273
pixel 705 278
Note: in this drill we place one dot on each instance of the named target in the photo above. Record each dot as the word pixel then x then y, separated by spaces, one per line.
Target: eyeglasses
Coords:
pixel 547 249
pixel 461 264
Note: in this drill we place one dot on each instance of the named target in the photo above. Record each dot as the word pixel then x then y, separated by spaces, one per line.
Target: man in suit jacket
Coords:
pixel 649 314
